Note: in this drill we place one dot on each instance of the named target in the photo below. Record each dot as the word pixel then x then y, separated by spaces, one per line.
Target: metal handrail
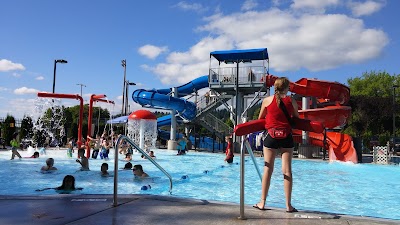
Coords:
pixel 245 144
pixel 123 137
pixel 250 151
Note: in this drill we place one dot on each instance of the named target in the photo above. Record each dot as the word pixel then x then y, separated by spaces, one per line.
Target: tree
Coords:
pixel 371 97
pixel 26 130
pixel 8 128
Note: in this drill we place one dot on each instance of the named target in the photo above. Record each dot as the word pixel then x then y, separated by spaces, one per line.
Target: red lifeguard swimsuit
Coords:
pixel 276 118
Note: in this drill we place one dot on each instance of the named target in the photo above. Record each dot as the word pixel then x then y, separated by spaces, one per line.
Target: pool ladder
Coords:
pixel 123 137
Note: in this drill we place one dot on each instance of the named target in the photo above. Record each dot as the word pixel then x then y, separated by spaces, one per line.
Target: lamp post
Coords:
pixel 127 84
pixel 82 85
pixel 55 68
pixel 123 64
pixel 394 114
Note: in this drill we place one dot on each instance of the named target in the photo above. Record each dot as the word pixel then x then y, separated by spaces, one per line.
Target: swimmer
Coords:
pixel 104 168
pixel 67 185
pixel 49 165
pixel 84 161
pixel 128 166
pixel 138 171
pixel 151 154
pixel 35 155
pixel 128 157
pixel 42 151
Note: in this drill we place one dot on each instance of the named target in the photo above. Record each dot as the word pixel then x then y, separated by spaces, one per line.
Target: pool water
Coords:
pixel 343 188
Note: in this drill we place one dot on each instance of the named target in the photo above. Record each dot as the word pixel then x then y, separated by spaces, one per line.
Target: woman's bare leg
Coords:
pixel 287 155
pixel 269 160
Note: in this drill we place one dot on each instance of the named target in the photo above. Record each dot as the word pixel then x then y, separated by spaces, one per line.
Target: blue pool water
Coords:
pixel 343 188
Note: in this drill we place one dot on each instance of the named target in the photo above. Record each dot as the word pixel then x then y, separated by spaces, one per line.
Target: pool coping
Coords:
pixel 95 208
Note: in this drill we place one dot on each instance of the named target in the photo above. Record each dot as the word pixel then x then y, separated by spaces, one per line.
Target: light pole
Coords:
pixel 394 114
pixel 123 64
pixel 55 68
pixel 82 85
pixel 127 84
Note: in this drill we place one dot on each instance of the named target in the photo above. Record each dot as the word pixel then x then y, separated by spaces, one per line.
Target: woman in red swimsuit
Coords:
pixel 280 138
pixel 229 149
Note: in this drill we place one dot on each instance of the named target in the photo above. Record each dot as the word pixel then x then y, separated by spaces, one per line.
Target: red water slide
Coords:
pixel 340 145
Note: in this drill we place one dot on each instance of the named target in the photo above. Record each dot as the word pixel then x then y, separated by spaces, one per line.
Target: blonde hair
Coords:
pixel 281 85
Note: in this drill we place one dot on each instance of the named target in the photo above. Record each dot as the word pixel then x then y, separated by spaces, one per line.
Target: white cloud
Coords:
pixel 3 89
pixel 182 67
pixel 151 51
pixel 25 90
pixel 16 74
pixel 249 5
pixel 366 8
pixel 7 65
pixel 39 78
pixel 313 5
pixel 19 106
pixel 185 6
pixel 312 41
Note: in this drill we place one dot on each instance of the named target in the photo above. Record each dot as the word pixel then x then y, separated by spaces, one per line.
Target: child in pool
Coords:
pixel 138 171
pixel 128 157
pixel 104 168
pixel 84 161
pixel 35 155
pixel 105 148
pixel 70 148
pixel 42 150
pixel 66 187
pixel 14 147
pixel 49 165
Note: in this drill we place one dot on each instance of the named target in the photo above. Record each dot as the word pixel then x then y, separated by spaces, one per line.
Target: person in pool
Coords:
pixel 14 147
pixel 104 170
pixel 84 161
pixel 128 156
pixel 128 166
pixel 66 187
pixel 35 155
pixel 49 165
pixel 138 171
pixel 182 142
pixel 151 154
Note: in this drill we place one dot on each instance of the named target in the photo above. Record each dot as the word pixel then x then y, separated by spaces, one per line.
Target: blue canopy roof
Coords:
pixel 240 55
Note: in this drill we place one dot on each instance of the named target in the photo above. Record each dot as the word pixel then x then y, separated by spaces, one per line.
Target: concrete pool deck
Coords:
pixel 153 209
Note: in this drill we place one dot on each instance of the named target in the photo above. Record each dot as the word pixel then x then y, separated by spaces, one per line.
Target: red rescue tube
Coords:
pixel 258 125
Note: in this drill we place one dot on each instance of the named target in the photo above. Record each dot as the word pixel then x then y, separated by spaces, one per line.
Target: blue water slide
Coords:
pixel 166 120
pixel 160 98
pixel 188 88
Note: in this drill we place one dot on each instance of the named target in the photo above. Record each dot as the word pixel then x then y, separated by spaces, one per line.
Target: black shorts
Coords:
pixel 270 142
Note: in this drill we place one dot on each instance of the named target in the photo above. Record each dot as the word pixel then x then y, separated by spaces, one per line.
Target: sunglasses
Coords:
pixel 133 169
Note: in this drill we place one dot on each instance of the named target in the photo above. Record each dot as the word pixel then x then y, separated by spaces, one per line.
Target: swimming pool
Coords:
pixel 343 188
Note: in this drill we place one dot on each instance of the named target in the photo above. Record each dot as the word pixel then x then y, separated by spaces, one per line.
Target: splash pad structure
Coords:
pixel 93 98
pixel 142 128
pixel 68 96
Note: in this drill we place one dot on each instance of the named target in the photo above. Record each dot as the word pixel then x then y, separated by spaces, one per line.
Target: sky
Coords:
pixel 167 43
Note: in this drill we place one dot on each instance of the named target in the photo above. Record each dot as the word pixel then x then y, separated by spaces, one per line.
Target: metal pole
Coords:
pixel 126 97
pixel 82 85
pixel 54 76
pixel 394 115
pixel 123 63
pixel 242 216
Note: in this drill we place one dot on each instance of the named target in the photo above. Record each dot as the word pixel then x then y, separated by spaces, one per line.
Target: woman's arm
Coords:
pixel 263 110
